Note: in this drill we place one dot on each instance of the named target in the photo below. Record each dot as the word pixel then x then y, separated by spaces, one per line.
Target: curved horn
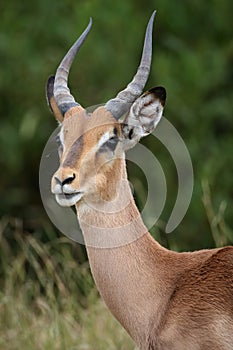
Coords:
pixel 62 94
pixel 119 105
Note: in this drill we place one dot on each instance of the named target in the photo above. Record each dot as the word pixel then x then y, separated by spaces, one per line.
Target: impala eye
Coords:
pixel 110 144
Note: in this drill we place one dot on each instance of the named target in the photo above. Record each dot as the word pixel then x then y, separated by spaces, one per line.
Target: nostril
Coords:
pixel 68 180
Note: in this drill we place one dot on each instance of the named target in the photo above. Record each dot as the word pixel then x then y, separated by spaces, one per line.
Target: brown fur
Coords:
pixel 165 300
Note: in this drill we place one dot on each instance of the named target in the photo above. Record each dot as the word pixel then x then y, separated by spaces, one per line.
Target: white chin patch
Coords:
pixel 67 200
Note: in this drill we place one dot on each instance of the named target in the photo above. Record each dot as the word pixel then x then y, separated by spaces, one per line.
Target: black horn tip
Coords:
pixel 159 92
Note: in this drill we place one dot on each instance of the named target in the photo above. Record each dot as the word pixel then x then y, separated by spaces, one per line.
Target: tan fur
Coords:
pixel 55 109
pixel 51 99
pixel 165 300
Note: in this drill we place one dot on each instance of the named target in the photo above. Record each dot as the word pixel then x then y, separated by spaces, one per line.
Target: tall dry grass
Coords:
pixel 48 300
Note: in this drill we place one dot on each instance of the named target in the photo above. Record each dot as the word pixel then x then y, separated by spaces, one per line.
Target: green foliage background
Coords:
pixel 193 59
pixel 193 53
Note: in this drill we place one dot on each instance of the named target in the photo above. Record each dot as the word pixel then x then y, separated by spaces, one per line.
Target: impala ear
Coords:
pixel 144 115
pixel 51 99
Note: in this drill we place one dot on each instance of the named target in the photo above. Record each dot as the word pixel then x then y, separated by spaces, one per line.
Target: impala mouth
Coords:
pixel 68 199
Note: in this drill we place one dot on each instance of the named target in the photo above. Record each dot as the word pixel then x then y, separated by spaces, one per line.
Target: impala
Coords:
pixel 164 299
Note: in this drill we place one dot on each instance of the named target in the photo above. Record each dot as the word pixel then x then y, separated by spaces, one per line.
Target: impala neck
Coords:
pixel 123 256
pixel 113 220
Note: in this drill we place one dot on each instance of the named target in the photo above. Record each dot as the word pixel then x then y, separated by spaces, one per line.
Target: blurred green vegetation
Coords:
pixel 193 56
pixel 193 59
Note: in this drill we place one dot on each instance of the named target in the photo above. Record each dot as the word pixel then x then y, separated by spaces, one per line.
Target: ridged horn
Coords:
pixel 119 105
pixel 62 94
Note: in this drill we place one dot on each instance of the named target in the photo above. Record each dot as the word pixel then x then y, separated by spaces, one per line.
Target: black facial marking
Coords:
pixel 74 153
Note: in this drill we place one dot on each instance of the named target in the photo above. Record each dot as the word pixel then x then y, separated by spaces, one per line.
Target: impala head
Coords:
pixel 92 145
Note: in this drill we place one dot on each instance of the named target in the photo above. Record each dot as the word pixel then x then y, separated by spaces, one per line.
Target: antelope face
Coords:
pixel 91 146
pixel 89 149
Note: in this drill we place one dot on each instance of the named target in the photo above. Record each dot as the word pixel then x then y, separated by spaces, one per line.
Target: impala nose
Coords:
pixel 63 184
pixel 68 180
